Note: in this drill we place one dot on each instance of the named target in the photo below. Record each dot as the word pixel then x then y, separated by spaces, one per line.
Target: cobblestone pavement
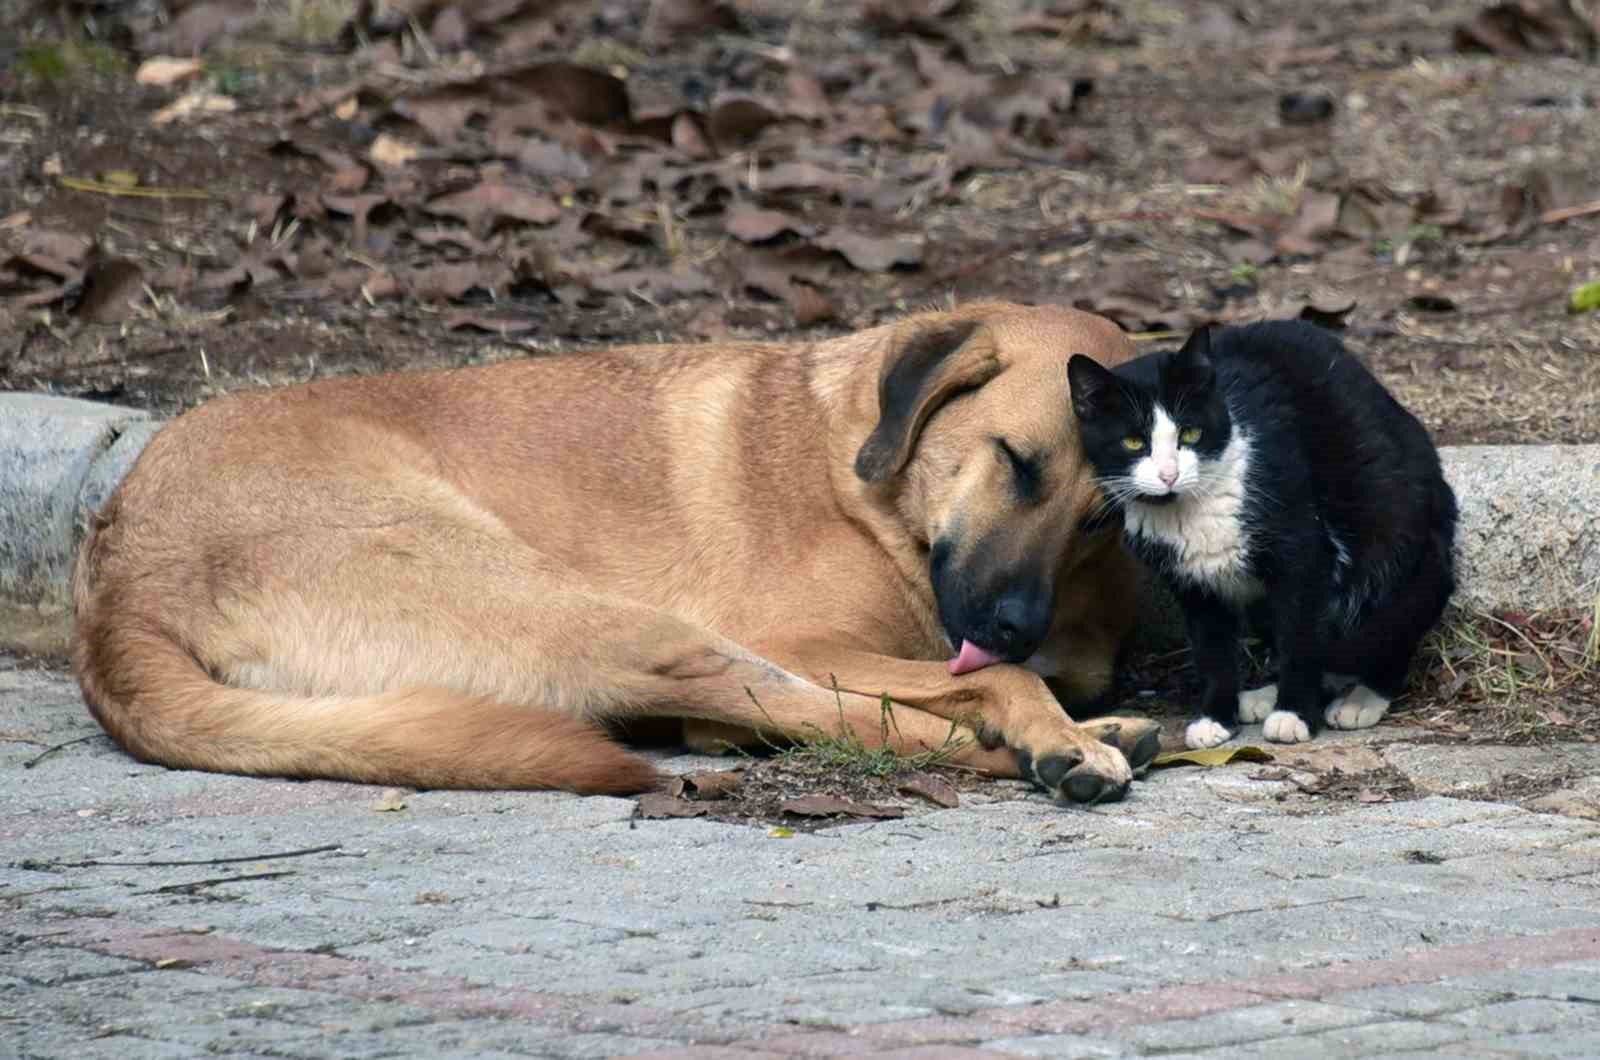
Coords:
pixel 142 915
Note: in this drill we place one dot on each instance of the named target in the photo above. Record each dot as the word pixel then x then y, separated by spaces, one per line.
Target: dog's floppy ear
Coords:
pixel 926 371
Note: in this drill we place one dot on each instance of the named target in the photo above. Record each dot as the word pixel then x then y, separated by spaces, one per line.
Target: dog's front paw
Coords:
pixel 1257 703
pixel 1285 726
pixel 1359 708
pixel 1087 773
pixel 1206 732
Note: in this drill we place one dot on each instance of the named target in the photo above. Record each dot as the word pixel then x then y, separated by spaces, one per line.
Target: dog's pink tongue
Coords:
pixel 971 657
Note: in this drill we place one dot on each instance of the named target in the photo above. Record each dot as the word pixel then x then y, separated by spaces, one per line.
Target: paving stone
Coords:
pixel 1530 1014
pixel 1557 1046
pixel 1415 1000
pixel 1259 1022
pixel 1062 1047
pixel 1350 1043
pixel 54 965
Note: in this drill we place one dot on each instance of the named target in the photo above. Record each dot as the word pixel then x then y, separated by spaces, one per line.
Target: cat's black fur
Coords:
pixel 1331 452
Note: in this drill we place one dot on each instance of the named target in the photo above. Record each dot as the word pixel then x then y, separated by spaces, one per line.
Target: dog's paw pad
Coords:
pixel 1360 708
pixel 1285 726
pixel 1144 751
pixel 1068 778
pixel 1205 732
pixel 1050 771
pixel 1257 703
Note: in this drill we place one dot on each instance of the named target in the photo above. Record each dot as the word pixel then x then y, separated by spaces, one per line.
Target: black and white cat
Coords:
pixel 1263 470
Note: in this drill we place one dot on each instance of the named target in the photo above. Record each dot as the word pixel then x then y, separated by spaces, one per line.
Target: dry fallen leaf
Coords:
pixel 752 225
pixel 711 784
pixel 198 101
pixel 656 806
pixel 391 800
pixel 872 253
pixel 936 790
pixel 389 150
pixel 111 286
pixel 834 806
pixel 1212 757
pixel 483 206
pixel 162 70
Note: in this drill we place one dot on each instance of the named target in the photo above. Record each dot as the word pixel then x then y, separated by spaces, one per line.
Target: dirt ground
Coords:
pixel 428 183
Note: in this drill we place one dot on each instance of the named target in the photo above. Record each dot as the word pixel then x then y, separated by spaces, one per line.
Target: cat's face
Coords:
pixel 1153 426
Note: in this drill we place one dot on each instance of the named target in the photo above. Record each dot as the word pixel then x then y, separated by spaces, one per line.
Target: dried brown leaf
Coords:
pixel 752 225
pixel 484 206
pixel 391 151
pixel 390 800
pixel 111 287
pixel 801 176
pixel 581 93
pixel 657 806
pixel 735 123
pixel 163 70
pixel 872 253
pixel 454 280
pixel 556 161
pixel 502 324
pixel 449 30
pixel 655 284
pixel 201 25
pixel 834 806
pixel 711 784
pixel 1527 27
pixel 1318 218
pixel 671 19
pixel 911 16
pixel 936 790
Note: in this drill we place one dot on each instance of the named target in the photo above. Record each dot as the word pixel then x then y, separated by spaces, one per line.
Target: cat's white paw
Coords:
pixel 1204 732
pixel 1285 726
pixel 1359 708
pixel 1257 703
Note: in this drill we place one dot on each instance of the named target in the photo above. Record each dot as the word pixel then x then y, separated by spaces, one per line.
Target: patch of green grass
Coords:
pixel 315 21
pixel 848 752
pixel 1244 272
pixel 1424 233
pixel 67 61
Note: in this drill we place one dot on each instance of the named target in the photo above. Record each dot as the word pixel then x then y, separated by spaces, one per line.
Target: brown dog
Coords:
pixel 448 579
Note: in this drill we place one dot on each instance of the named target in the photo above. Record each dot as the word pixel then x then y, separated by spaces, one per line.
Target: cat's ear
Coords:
pixel 1092 383
pixel 1191 367
pixel 923 370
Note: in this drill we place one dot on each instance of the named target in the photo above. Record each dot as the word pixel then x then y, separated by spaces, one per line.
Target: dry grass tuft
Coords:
pixel 1513 676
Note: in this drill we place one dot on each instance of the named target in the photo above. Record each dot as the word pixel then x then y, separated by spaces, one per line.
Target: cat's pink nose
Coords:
pixel 1168 476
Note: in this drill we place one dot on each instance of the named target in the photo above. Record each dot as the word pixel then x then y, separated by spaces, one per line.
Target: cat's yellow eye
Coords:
pixel 1133 443
pixel 1189 435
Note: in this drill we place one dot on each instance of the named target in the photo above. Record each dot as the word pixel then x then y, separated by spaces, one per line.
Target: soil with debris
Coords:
pixel 442 183
pixel 199 196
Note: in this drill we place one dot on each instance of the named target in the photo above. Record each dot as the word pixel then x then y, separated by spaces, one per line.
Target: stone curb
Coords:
pixel 1529 533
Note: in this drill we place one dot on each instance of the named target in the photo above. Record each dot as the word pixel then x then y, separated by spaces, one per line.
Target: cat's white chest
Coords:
pixel 1204 530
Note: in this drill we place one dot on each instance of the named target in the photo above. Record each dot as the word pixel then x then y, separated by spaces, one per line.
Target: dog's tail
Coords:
pixel 161 705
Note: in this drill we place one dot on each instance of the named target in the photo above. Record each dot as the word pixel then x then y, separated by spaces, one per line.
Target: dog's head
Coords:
pixel 977 441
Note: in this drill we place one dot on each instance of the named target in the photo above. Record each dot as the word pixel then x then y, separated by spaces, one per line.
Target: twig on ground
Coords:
pixel 97 863
pixel 48 751
pixel 195 885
